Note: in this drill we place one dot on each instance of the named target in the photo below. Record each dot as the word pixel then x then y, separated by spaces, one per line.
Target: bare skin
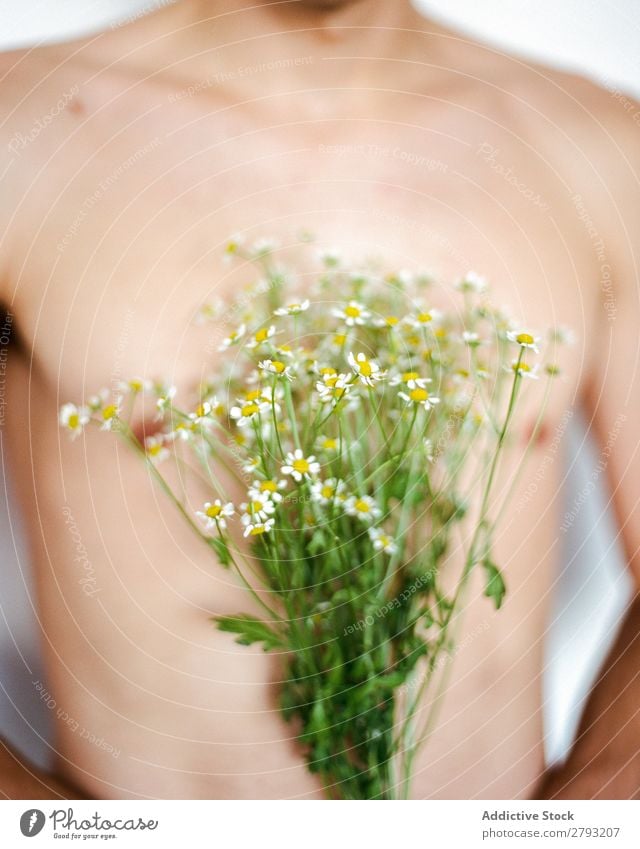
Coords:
pixel 385 135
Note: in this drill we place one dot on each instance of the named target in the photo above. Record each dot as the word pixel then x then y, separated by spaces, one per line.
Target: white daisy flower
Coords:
pixel 419 396
pixel 260 507
pixel 382 541
pixel 472 282
pixel 471 339
pixel 353 314
pixel 271 487
pixel 299 466
pixel 276 367
pixel 410 379
pixel 261 336
pixel 368 371
pixel 109 415
pixel 244 412
pixel 524 339
pixel 334 388
pixel 156 449
pixel 523 369
pixel 423 318
pixel 293 309
pixel 254 529
pixel 135 385
pixel 233 338
pixel 74 418
pixel 325 492
pixel 214 514
pixel 363 507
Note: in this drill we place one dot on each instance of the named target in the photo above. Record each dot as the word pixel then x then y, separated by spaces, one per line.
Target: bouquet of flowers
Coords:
pixel 362 427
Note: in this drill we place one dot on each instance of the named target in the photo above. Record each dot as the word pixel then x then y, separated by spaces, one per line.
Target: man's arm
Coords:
pixel 19 780
pixel 605 760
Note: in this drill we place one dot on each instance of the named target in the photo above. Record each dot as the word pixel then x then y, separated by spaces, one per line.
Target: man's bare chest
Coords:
pixel 131 233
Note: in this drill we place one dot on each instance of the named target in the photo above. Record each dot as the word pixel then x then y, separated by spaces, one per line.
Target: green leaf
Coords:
pixel 495 587
pixel 221 549
pixel 318 542
pixel 250 630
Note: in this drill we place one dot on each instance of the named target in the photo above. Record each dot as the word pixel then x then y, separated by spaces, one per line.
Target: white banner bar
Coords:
pixel 318 825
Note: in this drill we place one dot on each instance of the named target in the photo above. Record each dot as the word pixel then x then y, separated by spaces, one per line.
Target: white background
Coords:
pixel 598 38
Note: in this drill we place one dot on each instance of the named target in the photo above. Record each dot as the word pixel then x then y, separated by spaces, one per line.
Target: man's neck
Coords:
pixel 363 42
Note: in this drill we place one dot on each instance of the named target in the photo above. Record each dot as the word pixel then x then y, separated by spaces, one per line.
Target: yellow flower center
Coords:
pixel 339 339
pixel 352 312
pixel 329 444
pixel 425 317
pixel 362 506
pixel 135 385
pixel 391 320
pixel 410 375
pixel 301 466
pixel 200 411
pixel 255 506
pixel 74 421
pixel 261 335
pixel 441 333
pixel 524 339
pixel 277 366
pixel 213 511
pixel 155 449
pixel 327 491
pixel 257 530
pixel 249 409
pixel 327 370
pixel 418 395
pixel 365 368
pixel 522 367
pixel 253 395
pixel 109 412
pixel 268 486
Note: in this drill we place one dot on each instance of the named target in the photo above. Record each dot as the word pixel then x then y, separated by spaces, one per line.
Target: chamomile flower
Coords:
pixel 294 308
pixel 74 418
pixel 214 514
pixel 363 507
pixel 333 388
pixel 471 339
pixel 245 411
pixel 368 371
pixel 419 397
pixel 326 492
pixel 328 443
pixel 353 314
pixel 251 465
pixel 382 541
pixel 109 415
pixel 472 282
pixel 233 338
pixel 269 487
pixel 254 529
pixel 263 247
pixel 156 449
pixel 299 466
pixel 423 318
pixel 524 338
pixel 524 369
pixel 261 336
pixel 135 386
pixel 202 413
pixel 260 506
pixel 410 379
pixel 164 397
pixel 276 367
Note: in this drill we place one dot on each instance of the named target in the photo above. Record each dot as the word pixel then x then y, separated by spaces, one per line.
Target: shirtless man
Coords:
pixel 127 160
